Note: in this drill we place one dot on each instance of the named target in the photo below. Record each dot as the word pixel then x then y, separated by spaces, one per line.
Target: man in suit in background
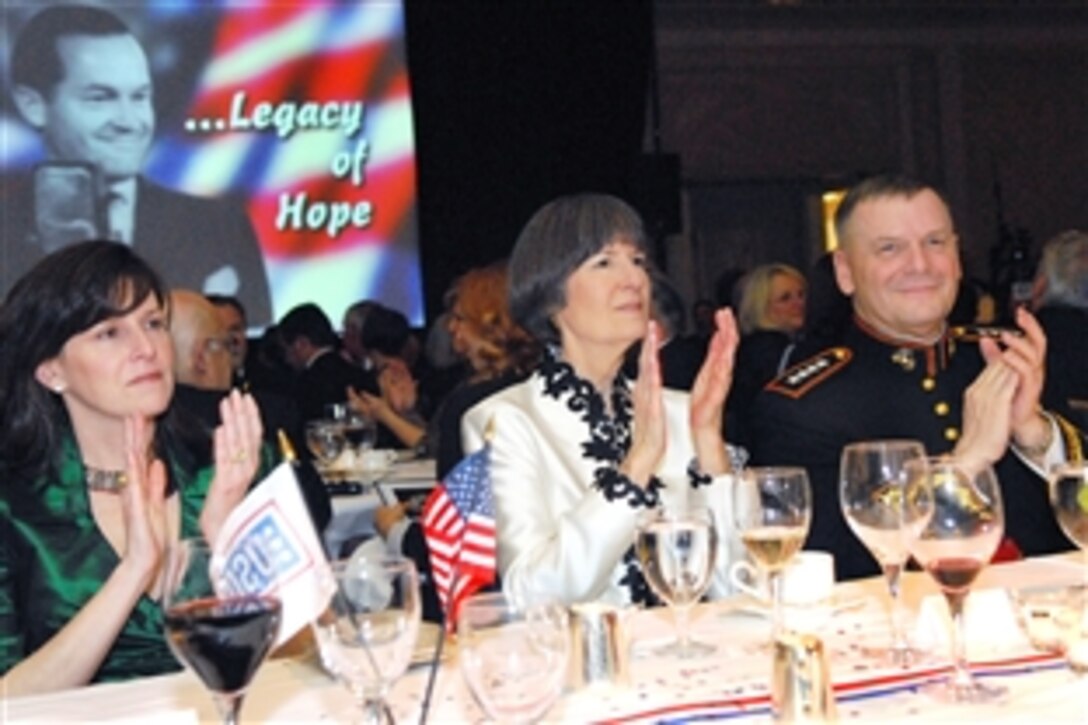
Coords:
pixel 203 370
pixel 310 348
pixel 81 79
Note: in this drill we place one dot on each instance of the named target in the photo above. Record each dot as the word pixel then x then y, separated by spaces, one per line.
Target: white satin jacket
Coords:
pixel 558 535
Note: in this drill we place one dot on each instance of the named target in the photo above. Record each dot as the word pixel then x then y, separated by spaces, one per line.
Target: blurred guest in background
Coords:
pixel 1061 305
pixel 202 355
pixel 310 348
pixel 680 355
pixel 233 316
pixel 771 315
pixel 352 335
pixel 202 368
pixel 99 473
pixel 397 406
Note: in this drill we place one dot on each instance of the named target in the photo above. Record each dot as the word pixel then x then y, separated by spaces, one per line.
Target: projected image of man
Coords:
pixel 82 80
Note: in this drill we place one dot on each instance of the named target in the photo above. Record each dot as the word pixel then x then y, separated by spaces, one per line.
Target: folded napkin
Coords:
pixel 990 618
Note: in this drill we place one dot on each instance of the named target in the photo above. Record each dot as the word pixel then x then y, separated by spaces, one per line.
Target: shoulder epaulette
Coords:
pixel 1073 439
pixel 803 377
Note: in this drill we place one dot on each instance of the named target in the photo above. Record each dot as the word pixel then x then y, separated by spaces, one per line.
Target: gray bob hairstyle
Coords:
pixel 559 237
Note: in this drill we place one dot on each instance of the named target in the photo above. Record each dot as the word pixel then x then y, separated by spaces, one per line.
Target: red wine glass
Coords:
pixel 222 639
pixel 960 538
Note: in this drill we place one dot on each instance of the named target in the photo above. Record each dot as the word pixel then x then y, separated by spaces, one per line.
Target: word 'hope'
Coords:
pixel 298 212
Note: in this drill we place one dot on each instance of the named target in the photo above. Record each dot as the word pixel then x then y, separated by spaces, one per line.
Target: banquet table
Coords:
pixel 732 684
pixel 353 513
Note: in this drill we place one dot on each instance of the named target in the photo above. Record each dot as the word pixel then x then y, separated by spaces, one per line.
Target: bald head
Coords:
pixel 201 352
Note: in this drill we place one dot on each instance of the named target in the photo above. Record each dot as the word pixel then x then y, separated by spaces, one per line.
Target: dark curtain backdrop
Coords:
pixel 516 103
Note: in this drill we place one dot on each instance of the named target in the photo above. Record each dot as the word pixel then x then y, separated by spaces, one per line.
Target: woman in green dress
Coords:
pixel 97 472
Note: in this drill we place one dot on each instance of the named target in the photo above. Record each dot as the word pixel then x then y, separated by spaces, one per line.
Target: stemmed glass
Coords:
pixel 222 638
pixel 367 635
pixel 677 550
pixel 956 543
pixel 513 655
pixel 1069 498
pixel 326 441
pixel 773 509
pixel 361 432
pixel 886 514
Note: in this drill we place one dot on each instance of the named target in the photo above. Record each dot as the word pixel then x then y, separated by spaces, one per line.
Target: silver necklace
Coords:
pixel 106 481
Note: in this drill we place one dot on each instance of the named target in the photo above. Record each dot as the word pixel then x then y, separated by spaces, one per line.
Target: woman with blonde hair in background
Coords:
pixel 771 315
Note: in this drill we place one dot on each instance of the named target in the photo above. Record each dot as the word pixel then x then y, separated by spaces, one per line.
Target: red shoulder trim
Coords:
pixel 803 377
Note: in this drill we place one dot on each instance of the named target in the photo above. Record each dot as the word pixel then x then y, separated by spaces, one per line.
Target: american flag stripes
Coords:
pixel 459 526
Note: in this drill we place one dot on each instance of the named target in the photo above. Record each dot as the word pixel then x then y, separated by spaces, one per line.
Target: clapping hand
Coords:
pixel 143 502
pixel 237 456
pixel 987 413
pixel 397 386
pixel 1026 356
pixel 709 391
pixel 648 433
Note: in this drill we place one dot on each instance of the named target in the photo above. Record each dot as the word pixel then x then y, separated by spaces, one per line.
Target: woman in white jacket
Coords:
pixel 579 450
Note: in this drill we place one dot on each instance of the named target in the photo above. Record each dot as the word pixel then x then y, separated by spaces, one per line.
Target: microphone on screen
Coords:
pixel 67 205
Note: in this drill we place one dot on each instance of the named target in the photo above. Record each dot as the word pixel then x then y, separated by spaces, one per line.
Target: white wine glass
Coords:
pixel 956 544
pixel 772 507
pixel 222 638
pixel 677 550
pixel 367 635
pixel 1069 498
pixel 513 655
pixel 886 512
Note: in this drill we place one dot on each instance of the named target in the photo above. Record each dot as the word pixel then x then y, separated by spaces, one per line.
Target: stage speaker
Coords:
pixel 654 190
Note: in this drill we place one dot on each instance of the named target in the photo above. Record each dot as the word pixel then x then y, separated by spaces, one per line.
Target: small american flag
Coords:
pixel 459 526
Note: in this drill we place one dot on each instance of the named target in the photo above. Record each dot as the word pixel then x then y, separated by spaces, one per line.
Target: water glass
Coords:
pixel 513 655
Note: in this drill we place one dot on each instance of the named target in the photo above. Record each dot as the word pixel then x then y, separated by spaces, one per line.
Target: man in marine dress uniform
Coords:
pixel 902 373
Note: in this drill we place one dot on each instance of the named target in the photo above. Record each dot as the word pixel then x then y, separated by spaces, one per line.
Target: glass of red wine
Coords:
pixel 223 639
pixel 958 541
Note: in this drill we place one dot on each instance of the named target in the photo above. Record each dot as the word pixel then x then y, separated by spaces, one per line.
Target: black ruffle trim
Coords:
pixel 616 486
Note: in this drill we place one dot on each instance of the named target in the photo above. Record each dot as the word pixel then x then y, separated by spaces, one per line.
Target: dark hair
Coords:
pixel 385 330
pixel 228 301
pixel 878 187
pixel 64 294
pixel 558 238
pixel 35 59
pixel 306 320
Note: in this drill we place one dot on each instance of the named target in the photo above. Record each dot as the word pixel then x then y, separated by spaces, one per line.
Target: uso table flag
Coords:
pixel 459 526
pixel 269 546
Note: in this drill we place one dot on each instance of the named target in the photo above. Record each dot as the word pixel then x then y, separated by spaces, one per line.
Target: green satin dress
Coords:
pixel 53 559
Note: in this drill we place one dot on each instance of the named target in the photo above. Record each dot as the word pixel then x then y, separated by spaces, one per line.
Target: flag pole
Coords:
pixel 432 676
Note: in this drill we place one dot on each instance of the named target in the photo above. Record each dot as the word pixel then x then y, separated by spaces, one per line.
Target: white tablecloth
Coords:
pixel 731 684
pixel 353 514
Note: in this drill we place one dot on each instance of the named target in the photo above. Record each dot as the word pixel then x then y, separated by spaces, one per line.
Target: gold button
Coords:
pixel 951 434
pixel 928 384
pixel 941 408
